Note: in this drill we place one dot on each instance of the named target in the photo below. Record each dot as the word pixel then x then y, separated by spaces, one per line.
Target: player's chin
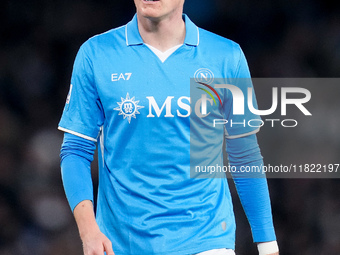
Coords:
pixel 151 13
pixel 150 2
pixel 146 4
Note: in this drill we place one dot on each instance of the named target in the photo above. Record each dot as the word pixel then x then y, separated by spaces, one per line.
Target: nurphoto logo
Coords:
pixel 242 103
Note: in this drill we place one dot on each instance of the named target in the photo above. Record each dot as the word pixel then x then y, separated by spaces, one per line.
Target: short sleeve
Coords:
pixel 83 112
pixel 241 120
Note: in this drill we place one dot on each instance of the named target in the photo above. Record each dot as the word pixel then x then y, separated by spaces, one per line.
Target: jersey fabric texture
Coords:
pixel 140 112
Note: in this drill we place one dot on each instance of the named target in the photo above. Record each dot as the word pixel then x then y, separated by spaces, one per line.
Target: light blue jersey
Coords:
pixel 144 115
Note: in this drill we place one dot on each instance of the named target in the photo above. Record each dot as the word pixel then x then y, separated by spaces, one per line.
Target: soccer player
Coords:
pixel 131 96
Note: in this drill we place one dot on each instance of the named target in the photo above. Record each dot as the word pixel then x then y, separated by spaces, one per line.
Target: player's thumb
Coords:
pixel 108 248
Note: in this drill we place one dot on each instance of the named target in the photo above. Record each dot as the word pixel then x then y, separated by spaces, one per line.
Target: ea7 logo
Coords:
pixel 120 76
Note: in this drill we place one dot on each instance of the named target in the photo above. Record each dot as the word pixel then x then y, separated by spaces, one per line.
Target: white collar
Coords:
pixel 163 55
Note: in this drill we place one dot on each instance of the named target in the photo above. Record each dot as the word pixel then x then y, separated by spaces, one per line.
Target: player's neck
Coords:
pixel 162 34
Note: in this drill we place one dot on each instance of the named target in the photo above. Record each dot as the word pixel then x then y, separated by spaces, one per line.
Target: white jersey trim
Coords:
pixel 163 55
pixel 101 139
pixel 241 135
pixel 126 36
pixel 222 251
pixel 268 247
pixel 77 134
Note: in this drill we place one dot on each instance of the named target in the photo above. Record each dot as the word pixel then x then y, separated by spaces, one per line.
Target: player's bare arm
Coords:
pixel 94 241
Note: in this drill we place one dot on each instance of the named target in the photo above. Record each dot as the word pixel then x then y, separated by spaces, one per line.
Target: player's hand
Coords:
pixel 96 243
pixel 276 253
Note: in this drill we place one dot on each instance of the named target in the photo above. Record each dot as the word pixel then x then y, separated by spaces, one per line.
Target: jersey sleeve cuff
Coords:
pixel 263 235
pixel 77 134
pixel 78 197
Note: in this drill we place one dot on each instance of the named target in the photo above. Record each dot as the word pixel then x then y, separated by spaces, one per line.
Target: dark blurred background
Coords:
pixel 281 38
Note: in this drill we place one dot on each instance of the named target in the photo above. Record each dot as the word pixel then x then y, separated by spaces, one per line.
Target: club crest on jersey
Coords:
pixel 128 107
pixel 204 75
